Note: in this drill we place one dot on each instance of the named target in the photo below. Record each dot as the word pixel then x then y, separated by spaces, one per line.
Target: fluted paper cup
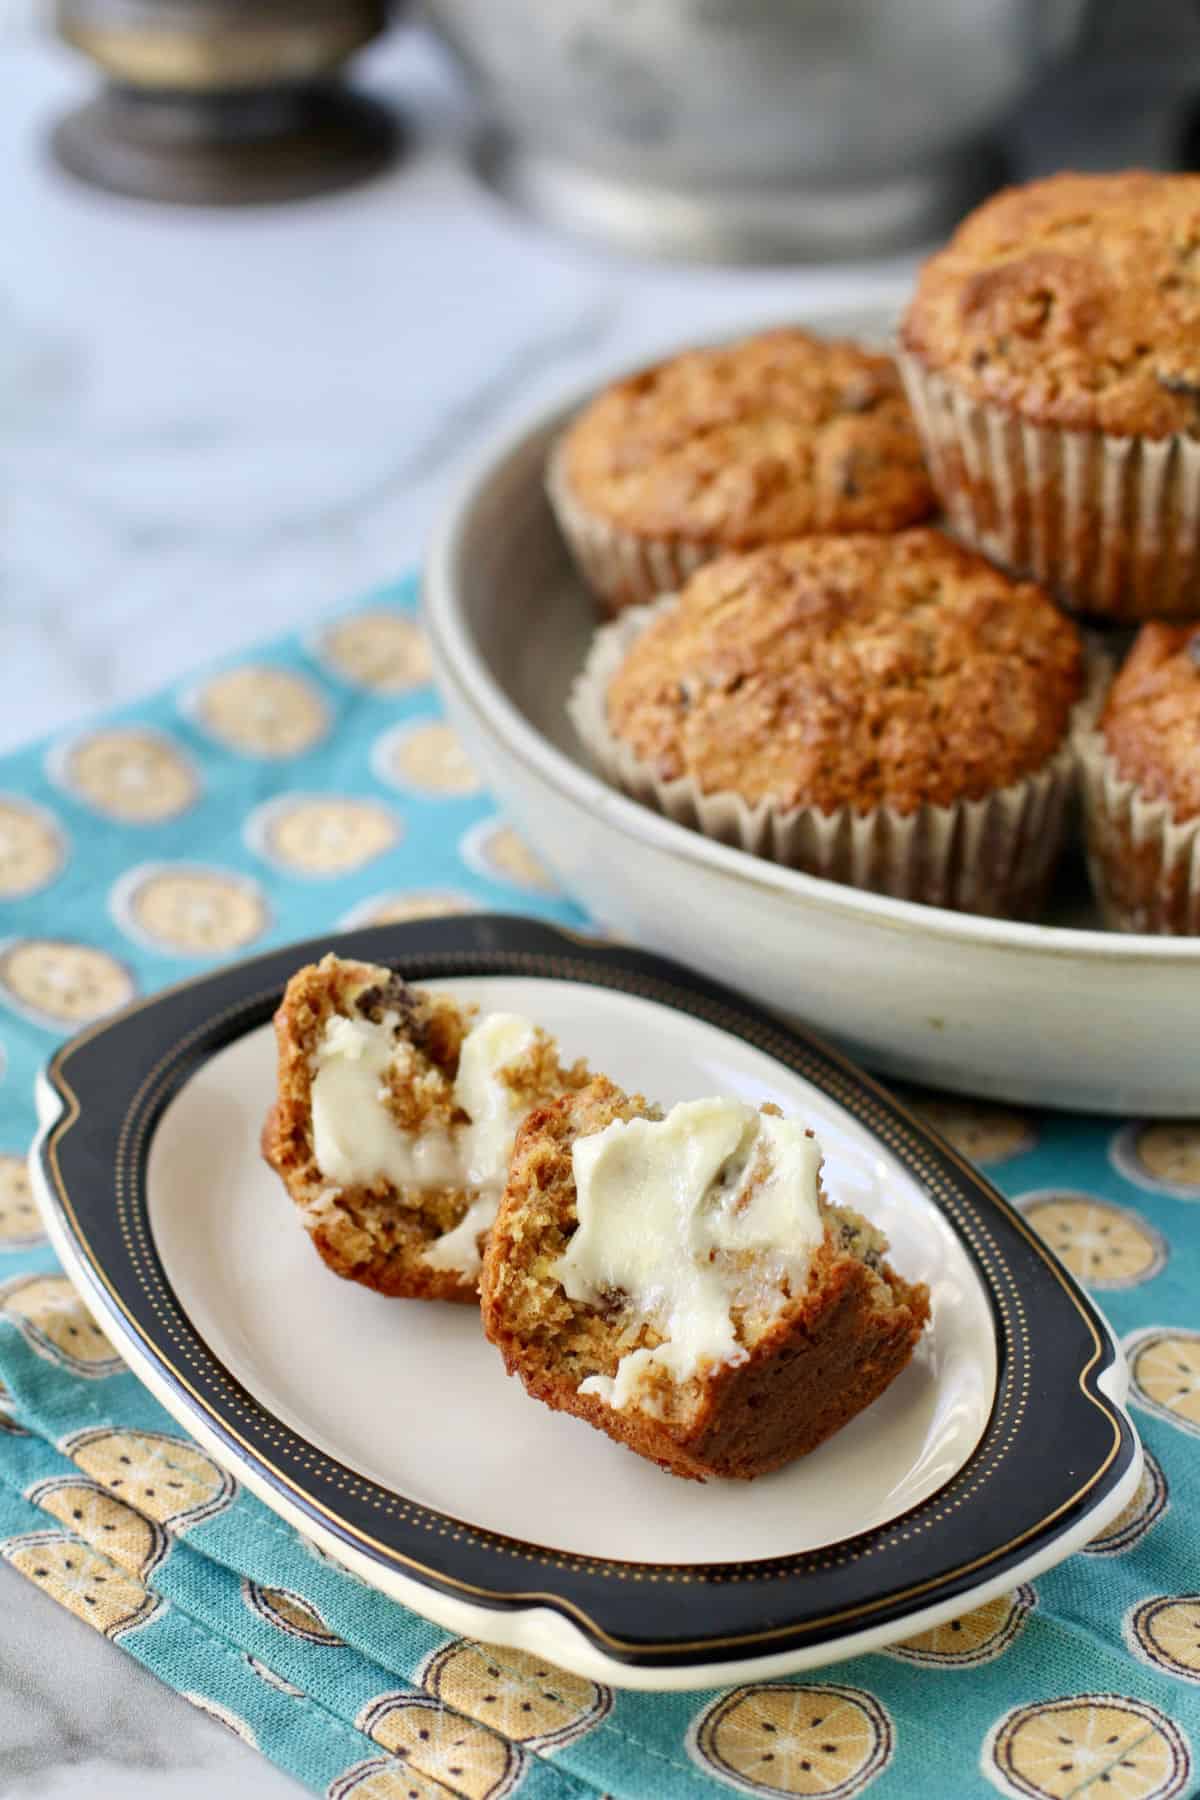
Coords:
pixel 622 568
pixel 1110 524
pixel 1144 864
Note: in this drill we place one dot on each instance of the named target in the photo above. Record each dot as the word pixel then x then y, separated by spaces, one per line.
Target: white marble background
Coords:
pixel 211 427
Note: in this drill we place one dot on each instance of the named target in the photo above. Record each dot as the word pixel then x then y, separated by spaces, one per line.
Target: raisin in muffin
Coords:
pixel 1141 786
pixel 681 1282
pixel 731 447
pixel 888 712
pixel 1052 355
pixel 395 1120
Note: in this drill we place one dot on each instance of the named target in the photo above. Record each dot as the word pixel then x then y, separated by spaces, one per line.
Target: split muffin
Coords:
pixel 395 1120
pixel 1052 356
pixel 729 447
pixel 681 1282
pixel 1141 786
pixel 891 713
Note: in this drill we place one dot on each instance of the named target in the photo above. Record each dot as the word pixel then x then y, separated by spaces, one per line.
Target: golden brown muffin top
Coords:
pixel 746 443
pixel 851 671
pixel 1151 721
pixel 1074 301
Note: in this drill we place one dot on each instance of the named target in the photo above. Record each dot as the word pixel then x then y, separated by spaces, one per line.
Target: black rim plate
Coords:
pixel 1055 1448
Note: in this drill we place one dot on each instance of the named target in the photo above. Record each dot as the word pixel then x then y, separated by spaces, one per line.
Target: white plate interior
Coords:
pixel 411 1395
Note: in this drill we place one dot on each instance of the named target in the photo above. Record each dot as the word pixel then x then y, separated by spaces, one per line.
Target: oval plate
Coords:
pixel 1059 1013
pixel 388 1433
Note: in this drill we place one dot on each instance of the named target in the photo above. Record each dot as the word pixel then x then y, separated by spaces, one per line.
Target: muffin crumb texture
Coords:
pixel 851 672
pixel 411 1224
pixel 1073 301
pixel 776 436
pixel 811 1351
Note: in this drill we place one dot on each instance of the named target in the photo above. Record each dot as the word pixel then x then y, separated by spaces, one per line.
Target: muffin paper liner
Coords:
pixel 1110 524
pixel 621 568
pixel 993 855
pixel 1144 865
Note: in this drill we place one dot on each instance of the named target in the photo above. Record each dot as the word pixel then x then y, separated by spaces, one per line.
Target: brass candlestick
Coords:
pixel 223 102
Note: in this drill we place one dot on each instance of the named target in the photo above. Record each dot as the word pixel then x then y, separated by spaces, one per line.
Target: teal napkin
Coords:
pixel 314 783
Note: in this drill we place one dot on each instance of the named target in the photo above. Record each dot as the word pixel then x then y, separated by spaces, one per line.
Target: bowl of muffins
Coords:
pixel 858 664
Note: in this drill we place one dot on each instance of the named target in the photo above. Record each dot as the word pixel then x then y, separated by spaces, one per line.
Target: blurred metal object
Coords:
pixel 220 102
pixel 749 130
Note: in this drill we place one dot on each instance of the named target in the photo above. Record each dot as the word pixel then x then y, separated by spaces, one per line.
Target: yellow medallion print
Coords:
pixel 322 834
pixel 109 1525
pixel 979 1636
pixel 978 1130
pixel 58 983
pixel 427 1738
pixel 1166 1632
pixel 186 909
pixel 278 1682
pixel 8 1422
pixel 413 903
pixel 382 651
pixel 1162 1155
pixel 1164 1365
pixel 1134 1521
pixel 133 774
pixel 1103 1245
pixel 83 1581
pixel 518 1695
pixel 169 1479
pixel 494 850
pixel 288 1612
pixel 20 1222
pixel 778 1740
pixel 381 1778
pixel 32 848
pixel 1087 1745
pixel 261 711
pixel 427 757
pixel 54 1321
pixel 232 1721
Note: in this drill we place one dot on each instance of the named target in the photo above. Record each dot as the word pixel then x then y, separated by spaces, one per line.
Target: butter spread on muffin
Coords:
pixel 395 1122
pixel 682 1284
pixel 689 1215
pixel 731 447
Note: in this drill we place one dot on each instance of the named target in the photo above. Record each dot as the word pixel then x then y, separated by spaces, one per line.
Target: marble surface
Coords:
pixel 211 427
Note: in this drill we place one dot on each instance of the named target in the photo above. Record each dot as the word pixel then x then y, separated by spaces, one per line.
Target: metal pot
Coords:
pixel 749 128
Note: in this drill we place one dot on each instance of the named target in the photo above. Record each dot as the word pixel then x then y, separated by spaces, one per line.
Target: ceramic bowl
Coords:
pixel 1061 1013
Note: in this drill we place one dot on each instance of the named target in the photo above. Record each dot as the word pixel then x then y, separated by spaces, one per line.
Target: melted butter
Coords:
pixel 356 1140
pixel 664 1206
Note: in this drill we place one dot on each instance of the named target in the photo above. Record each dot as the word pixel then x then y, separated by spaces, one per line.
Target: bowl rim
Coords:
pixel 460 664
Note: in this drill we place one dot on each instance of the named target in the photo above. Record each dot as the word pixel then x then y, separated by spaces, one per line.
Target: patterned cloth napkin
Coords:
pixel 314 784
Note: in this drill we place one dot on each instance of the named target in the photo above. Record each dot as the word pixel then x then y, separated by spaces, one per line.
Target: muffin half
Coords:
pixel 395 1120
pixel 730 447
pixel 1052 356
pixel 1141 786
pixel 888 712
pixel 681 1283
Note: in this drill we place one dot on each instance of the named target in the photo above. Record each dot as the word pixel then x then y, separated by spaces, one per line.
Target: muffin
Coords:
pixel 1052 356
pixel 888 712
pixel 732 447
pixel 1141 786
pixel 682 1284
pixel 395 1120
